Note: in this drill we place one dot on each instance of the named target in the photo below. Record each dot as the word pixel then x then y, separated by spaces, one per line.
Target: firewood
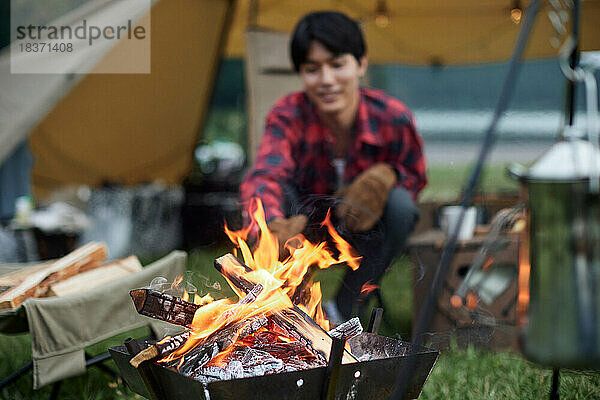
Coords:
pixel 347 330
pixel 161 348
pixel 168 345
pixel 95 276
pixel 17 277
pixel 36 284
pixel 163 306
pixel 297 323
pixel 221 340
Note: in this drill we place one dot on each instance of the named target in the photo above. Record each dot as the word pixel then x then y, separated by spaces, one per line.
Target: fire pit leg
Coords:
pixel 332 374
pixel 133 347
pixel 375 321
pixel 554 392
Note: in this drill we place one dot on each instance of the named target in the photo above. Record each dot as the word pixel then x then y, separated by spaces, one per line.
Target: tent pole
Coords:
pixel 573 62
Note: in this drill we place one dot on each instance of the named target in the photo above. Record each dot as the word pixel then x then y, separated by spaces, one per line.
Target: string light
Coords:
pixel 516 12
pixel 382 15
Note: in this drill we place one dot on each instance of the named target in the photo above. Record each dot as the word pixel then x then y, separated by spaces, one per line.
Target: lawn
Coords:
pixel 459 374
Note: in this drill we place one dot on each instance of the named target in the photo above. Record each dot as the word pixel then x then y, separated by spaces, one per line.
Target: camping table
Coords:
pixel 61 327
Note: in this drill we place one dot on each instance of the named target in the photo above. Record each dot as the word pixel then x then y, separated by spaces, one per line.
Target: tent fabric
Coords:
pixel 61 327
pixel 124 128
pixel 423 32
pixel 26 98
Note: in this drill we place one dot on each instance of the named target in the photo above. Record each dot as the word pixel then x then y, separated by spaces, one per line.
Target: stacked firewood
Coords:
pixel 79 270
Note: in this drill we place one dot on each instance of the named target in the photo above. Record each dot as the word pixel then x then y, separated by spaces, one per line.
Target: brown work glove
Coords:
pixel 286 228
pixel 364 199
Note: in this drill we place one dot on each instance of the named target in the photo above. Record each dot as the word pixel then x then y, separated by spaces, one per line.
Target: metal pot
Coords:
pixel 563 322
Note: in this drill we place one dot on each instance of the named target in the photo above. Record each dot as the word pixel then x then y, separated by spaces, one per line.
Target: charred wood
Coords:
pixel 221 340
pixel 295 321
pixel 163 306
pixel 348 329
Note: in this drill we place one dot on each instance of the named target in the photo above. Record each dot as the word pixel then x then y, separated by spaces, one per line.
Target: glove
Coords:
pixel 365 198
pixel 286 228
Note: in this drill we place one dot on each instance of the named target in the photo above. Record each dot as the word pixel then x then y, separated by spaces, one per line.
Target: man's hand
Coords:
pixel 364 199
pixel 286 228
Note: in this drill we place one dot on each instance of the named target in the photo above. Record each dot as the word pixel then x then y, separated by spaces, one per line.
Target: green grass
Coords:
pixel 447 181
pixel 459 374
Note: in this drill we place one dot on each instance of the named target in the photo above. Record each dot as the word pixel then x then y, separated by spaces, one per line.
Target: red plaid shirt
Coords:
pixel 297 149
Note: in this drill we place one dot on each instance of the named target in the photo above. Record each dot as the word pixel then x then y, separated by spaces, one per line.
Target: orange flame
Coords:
pixel 289 273
pixel 487 263
pixel 176 282
pixel 367 288
pixel 523 278
pixel 279 279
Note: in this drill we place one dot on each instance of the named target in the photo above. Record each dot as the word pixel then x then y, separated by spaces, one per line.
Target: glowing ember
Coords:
pixel 276 283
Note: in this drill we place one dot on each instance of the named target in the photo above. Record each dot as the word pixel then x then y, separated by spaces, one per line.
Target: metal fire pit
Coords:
pixel 373 379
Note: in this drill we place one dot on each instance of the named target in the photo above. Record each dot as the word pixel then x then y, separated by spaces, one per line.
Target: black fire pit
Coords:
pixel 373 379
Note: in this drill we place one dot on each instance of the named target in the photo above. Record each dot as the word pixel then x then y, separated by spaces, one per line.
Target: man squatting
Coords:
pixel 336 140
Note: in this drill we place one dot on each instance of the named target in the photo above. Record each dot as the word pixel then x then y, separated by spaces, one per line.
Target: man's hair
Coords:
pixel 334 30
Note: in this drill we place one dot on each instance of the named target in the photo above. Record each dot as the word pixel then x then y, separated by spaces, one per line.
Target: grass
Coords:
pixel 447 181
pixel 459 374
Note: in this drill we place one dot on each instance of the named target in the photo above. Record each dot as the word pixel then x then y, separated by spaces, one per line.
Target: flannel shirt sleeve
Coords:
pixel 273 168
pixel 407 157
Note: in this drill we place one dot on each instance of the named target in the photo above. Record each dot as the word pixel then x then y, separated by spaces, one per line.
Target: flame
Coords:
pixel 471 301
pixel 289 274
pixel 203 300
pixel 367 288
pixel 279 281
pixel 488 262
pixel 523 278
pixel 176 282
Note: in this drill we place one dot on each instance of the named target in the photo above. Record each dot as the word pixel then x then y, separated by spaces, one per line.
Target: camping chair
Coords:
pixel 62 327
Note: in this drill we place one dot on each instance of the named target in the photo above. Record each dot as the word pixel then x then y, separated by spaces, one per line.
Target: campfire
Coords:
pixel 276 325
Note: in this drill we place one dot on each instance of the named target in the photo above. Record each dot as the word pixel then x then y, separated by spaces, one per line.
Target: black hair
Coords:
pixel 334 30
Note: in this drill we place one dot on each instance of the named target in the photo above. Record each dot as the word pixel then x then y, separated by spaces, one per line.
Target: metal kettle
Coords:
pixel 562 327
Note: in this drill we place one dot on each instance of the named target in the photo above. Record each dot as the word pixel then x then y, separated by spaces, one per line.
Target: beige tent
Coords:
pixel 425 31
pixel 133 128
pixel 127 128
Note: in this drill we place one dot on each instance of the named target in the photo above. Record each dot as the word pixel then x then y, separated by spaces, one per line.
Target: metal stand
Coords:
pixel 425 316
pixel 89 362
pixel 332 373
pixel 554 392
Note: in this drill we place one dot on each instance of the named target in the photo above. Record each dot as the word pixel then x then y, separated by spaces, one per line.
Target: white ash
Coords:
pixel 348 329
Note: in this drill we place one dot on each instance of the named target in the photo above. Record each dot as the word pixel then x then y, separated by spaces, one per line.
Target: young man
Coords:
pixel 335 138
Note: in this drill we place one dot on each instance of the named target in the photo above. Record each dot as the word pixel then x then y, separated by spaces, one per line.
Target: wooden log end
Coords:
pixel 139 298
pixel 145 355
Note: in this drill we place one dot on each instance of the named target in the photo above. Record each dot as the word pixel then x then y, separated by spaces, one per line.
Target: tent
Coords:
pixel 425 32
pixel 132 128
pixel 126 128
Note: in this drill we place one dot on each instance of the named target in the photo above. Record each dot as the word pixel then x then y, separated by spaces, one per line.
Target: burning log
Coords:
pixel 295 321
pixel 218 341
pixel 160 349
pixel 163 306
pixel 221 340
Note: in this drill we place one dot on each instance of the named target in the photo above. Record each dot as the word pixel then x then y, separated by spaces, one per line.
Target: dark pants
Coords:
pixel 379 247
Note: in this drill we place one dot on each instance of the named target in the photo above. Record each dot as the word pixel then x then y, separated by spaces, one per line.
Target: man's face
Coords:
pixel 331 81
